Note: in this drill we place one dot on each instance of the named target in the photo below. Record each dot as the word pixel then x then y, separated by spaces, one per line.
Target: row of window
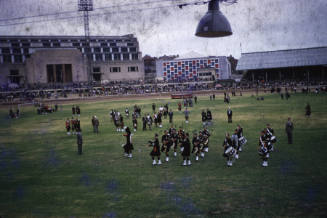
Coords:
pixel 118 69
pixel 105 41
pixel 97 57
pixel 6 50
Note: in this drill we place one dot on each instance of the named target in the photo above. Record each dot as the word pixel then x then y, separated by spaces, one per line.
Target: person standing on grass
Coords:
pixel 68 126
pixel 95 124
pixel 186 113
pixel 78 111
pixel 171 114
pixel 289 130
pixel 73 110
pixel 209 117
pixel 153 107
pixel 229 115
pixel 204 118
pixel 155 150
pixel 128 147
pixel 79 142
pixel 134 122
pixel 308 110
pixel 186 150
pixel 144 121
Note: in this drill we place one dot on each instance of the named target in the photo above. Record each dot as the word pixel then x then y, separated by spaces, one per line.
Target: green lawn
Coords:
pixel 41 174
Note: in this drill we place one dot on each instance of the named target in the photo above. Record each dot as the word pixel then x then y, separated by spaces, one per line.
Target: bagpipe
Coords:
pixel 164 145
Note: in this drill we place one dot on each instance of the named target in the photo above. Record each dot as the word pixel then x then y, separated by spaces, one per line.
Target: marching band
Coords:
pixel 178 140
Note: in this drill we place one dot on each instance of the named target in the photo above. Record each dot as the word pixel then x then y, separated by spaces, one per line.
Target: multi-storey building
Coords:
pixel 69 59
pixel 194 69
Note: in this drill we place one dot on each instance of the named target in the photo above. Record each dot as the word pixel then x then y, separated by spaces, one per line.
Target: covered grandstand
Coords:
pixel 308 64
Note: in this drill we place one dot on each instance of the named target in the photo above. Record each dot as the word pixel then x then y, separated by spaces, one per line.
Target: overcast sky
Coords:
pixel 258 25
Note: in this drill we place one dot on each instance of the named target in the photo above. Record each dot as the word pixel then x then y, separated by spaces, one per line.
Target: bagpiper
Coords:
pixel 229 151
pixel 196 146
pixel 263 149
pixel 186 150
pixel 68 126
pixel 134 122
pixel 166 143
pixel 235 144
pixel 128 147
pixel 155 150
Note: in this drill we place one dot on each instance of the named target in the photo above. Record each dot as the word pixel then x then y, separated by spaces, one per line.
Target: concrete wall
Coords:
pixel 36 71
pixel 123 74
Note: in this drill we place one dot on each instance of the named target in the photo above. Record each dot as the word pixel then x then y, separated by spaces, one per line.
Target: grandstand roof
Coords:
pixel 283 59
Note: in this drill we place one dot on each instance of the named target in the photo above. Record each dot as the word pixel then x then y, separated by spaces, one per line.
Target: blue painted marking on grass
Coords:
pixel 287 167
pixel 112 186
pixel 8 159
pixel 186 206
pixel 85 180
pixel 186 182
pixel 52 159
pixel 311 194
pixel 110 215
pixel 19 193
pixel 189 208
pixel 168 186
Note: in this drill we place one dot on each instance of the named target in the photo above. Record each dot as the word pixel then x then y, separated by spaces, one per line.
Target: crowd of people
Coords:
pixel 85 90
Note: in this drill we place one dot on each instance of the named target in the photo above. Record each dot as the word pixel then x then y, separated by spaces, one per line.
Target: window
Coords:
pixel 15 44
pixel 7 59
pixel 18 58
pixel 59 73
pixel 97 50
pixel 104 44
pixel 117 57
pixel 133 69
pixel 14 72
pixel 96 69
pixel 26 51
pixel 130 44
pixel 108 57
pixel 46 44
pixel 56 44
pixel 125 57
pixel 115 49
pixel 123 49
pixel 115 69
pixel 5 51
pixel 113 44
pixel 76 44
pixel 135 56
pixel 16 51
pixel 26 44
pixel 98 57
pixel 87 50
pixel 106 50
pixel 14 76
pixel 132 49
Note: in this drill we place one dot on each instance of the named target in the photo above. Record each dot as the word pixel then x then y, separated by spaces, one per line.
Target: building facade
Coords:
pixel 194 69
pixel 69 59
pixel 293 64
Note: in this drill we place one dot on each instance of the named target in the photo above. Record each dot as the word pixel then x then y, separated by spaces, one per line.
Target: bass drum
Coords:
pixel 230 151
pixel 273 139
pixel 263 151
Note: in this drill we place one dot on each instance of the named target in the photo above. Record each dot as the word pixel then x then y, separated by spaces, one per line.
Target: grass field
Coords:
pixel 41 174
